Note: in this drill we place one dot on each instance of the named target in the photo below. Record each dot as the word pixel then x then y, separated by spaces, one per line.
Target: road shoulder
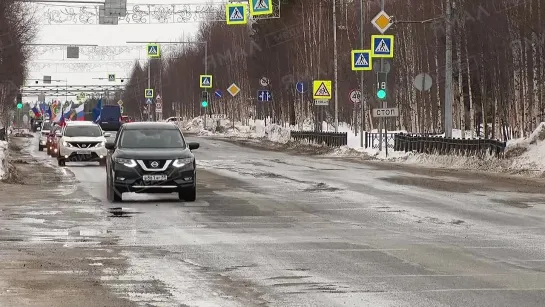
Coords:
pixel 53 248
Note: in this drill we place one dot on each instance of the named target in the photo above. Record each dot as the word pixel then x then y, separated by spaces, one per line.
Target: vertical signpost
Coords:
pixel 301 87
pixel 233 89
pixel 322 93
pixel 153 51
pixel 205 83
pixel 382 46
pixel 158 108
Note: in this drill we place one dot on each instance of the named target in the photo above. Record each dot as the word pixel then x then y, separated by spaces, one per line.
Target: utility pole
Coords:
pixel 149 86
pixel 448 70
pixel 335 67
pixel 361 79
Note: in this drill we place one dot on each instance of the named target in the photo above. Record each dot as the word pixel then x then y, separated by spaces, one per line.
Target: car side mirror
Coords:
pixel 110 145
pixel 107 135
pixel 193 145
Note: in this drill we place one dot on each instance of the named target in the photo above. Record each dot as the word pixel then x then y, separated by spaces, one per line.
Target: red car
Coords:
pixel 126 119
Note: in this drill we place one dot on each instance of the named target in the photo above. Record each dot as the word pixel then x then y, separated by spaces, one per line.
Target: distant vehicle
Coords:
pixel 52 148
pixel 151 157
pixel 172 119
pixel 81 141
pixel 126 119
pixel 36 124
pixel 110 118
pixel 44 132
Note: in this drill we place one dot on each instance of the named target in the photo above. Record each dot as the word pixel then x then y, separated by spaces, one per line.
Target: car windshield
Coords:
pixel 84 131
pixel 152 138
pixel 46 126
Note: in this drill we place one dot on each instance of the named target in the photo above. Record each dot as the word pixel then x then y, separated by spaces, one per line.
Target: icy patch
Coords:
pixel 29 220
pixel 3 159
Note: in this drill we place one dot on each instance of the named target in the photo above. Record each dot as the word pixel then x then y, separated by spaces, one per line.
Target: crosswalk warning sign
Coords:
pixel 153 51
pixel 236 13
pixel 383 46
pixel 322 89
pixel 206 81
pixel 261 7
pixel 361 61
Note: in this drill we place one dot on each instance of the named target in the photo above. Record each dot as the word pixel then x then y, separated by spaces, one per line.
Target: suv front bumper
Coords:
pixel 83 154
pixel 127 179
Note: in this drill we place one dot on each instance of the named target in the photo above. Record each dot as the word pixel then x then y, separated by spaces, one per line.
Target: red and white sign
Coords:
pixel 158 107
pixel 355 96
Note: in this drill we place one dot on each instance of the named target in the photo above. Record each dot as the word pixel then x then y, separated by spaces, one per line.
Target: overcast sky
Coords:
pixel 53 62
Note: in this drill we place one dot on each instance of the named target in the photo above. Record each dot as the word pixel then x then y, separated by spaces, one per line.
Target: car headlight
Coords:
pixel 126 162
pixel 182 162
pixel 65 144
pixel 101 144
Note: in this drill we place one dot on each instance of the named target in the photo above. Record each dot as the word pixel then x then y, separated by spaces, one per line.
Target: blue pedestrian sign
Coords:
pixel 301 87
pixel 149 101
pixel 361 60
pixel 236 14
pixel 382 46
pixel 218 93
pixel 264 95
pixel 261 7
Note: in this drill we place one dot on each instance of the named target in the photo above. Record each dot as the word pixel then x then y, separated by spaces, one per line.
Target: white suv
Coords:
pixel 82 141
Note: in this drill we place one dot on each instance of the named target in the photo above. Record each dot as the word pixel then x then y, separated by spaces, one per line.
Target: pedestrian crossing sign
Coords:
pixel 321 89
pixel 361 60
pixel 261 7
pixel 148 93
pixel 206 81
pixel 236 14
pixel 382 46
pixel 153 51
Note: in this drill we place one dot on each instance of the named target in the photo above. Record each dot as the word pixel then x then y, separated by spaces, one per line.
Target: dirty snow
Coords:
pixel 523 155
pixel 3 160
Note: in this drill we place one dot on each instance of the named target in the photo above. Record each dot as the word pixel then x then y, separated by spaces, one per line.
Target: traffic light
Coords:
pixel 204 99
pixel 381 94
pixel 19 101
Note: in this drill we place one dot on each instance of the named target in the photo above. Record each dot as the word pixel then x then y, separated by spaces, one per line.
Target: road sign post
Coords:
pixel 111 77
pixel 236 13
pixel 261 7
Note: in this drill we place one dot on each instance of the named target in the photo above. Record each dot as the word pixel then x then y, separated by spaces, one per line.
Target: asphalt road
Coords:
pixel 272 229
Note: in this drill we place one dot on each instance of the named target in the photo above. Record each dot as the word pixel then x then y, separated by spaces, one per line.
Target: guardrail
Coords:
pixel 448 146
pixel 331 139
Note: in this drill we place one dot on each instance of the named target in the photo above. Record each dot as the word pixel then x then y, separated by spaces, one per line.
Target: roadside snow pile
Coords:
pixel 528 153
pixel 3 160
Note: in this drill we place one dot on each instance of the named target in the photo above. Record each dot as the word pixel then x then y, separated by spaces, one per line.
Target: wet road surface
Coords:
pixel 272 229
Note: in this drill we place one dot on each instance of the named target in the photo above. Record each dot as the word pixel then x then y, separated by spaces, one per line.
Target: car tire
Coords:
pixel 188 194
pixel 40 148
pixel 112 195
pixel 62 162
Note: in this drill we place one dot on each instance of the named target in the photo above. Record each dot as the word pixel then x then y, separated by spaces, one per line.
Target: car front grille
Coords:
pixel 84 144
pixel 148 163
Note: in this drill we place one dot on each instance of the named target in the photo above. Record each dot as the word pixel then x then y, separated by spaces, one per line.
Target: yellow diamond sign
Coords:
pixel 233 89
pixel 382 22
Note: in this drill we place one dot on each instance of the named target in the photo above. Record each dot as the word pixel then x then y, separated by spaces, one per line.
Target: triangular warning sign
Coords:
pixel 361 61
pixel 322 91
pixel 149 93
pixel 205 81
pixel 152 50
pixel 382 47
pixel 261 5
pixel 236 15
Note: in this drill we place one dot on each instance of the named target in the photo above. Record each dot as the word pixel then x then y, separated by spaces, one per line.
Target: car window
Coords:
pixel 82 131
pixel 152 138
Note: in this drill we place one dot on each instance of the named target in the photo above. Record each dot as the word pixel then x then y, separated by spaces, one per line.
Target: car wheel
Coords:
pixel 40 148
pixel 62 162
pixel 112 195
pixel 188 194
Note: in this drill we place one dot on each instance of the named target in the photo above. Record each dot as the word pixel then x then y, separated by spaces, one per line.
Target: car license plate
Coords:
pixel 82 152
pixel 154 177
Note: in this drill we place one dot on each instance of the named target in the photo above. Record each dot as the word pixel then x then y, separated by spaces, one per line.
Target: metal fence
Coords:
pixel 372 139
pixel 447 146
pixel 331 139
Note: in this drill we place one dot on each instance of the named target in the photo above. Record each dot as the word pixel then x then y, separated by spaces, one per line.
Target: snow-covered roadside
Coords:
pixel 522 155
pixel 3 158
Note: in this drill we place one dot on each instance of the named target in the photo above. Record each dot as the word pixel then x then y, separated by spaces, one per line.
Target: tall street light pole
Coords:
pixel 448 70
pixel 335 66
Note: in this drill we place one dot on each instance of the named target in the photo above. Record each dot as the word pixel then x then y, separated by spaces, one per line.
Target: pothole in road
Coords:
pixel 122 212
pixel 321 187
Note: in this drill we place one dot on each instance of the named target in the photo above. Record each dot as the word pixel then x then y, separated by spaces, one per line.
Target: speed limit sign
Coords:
pixel 355 96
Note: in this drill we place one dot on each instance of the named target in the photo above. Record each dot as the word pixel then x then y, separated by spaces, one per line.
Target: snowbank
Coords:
pixel 3 160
